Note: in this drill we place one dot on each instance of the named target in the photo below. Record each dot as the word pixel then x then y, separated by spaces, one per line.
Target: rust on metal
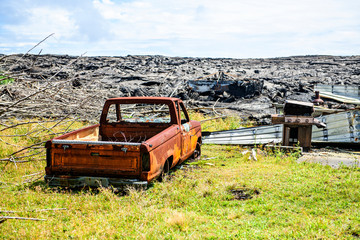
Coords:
pixel 134 144
pixel 297 121
pixel 318 101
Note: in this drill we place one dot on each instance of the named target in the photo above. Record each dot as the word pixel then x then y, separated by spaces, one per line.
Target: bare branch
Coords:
pixel 35 46
pixel 48 86
pixel 21 218
pixel 35 210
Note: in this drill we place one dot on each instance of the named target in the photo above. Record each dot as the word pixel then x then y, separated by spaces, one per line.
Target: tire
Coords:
pixel 197 152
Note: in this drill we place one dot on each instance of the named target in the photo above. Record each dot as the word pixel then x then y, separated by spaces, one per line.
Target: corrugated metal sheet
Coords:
pixel 341 127
pixel 246 136
pixel 352 91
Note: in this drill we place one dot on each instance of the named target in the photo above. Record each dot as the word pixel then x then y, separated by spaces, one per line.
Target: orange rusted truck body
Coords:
pixel 126 150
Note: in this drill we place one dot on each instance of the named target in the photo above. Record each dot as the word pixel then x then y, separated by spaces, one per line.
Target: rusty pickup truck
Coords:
pixel 137 140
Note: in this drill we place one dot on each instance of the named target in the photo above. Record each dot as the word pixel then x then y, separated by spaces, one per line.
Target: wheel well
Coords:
pixel 170 160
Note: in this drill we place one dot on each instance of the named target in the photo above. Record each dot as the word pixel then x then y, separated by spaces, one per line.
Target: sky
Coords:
pixel 186 28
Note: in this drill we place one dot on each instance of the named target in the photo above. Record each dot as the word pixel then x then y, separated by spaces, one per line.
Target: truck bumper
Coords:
pixel 83 181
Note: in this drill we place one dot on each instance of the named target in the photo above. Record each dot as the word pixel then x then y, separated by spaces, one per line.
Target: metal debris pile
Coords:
pixel 341 127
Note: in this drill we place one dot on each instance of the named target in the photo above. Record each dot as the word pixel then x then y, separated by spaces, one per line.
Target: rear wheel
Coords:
pixel 197 152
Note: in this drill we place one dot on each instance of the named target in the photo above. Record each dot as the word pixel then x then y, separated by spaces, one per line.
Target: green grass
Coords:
pixel 220 124
pixel 30 132
pixel 4 79
pixel 295 201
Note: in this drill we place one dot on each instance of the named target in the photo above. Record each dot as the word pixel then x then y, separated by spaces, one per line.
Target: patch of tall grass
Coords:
pixel 220 124
pixel 16 135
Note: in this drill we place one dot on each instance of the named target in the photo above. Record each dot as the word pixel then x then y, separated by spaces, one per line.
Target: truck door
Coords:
pixel 185 131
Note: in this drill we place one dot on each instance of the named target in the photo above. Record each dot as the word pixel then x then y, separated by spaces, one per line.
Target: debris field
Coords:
pixel 70 88
pixel 59 85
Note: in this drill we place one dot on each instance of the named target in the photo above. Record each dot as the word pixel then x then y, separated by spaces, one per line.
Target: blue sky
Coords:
pixel 203 28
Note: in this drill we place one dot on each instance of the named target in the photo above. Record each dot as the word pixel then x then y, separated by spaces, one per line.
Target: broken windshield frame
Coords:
pixel 138 113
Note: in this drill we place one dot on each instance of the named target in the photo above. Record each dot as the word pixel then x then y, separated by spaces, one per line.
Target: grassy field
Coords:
pixel 289 201
pixel 222 196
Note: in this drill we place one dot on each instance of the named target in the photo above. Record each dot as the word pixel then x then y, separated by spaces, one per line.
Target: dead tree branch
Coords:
pixel 21 218
pixel 35 210
pixel 36 46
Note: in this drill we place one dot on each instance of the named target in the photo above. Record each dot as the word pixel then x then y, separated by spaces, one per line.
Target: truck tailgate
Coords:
pixel 97 158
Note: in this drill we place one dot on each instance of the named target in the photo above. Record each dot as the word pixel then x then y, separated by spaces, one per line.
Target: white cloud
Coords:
pixel 228 28
pixel 160 18
pixel 45 20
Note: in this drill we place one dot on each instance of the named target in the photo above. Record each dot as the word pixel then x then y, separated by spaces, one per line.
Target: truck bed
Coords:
pixel 106 151
pixel 127 133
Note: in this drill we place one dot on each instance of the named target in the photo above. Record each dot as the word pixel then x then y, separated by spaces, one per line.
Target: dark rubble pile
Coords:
pixel 57 86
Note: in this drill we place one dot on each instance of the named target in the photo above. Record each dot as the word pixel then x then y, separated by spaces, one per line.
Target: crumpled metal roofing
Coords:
pixel 341 127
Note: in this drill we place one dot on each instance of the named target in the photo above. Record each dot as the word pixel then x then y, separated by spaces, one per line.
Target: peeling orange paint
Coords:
pixel 75 154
